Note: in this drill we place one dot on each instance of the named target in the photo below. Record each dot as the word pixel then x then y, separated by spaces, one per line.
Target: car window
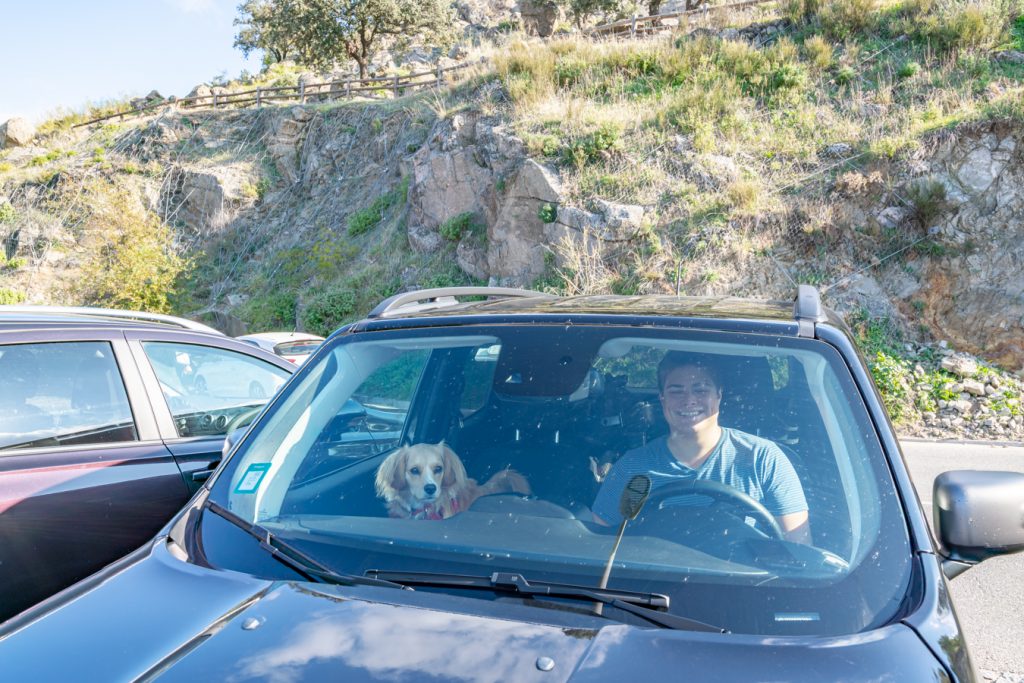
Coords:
pixel 211 391
pixel 58 394
pixel 544 420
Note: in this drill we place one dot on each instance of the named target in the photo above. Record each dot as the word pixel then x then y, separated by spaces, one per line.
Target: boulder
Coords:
pixel 974 387
pixel 960 364
pixel 206 200
pixel 517 240
pixel 838 150
pixel 540 16
pixel 460 169
pixel 16 132
pixel 202 96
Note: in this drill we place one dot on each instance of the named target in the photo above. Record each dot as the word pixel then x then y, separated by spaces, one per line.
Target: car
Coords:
pixel 793 549
pixel 293 346
pixel 105 433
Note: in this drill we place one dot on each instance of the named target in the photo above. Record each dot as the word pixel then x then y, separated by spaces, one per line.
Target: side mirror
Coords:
pixel 979 514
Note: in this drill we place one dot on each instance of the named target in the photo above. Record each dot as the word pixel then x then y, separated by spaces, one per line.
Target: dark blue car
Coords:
pixel 714 492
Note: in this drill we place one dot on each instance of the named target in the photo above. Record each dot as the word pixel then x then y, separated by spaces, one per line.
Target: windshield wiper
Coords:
pixel 289 555
pixel 644 605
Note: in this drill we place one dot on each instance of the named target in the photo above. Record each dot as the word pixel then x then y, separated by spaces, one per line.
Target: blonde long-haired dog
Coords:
pixel 428 481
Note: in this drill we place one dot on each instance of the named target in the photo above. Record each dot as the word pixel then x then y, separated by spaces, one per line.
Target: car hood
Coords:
pixel 162 617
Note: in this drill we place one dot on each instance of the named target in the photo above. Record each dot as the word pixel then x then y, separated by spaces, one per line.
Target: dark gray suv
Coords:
pixel 588 488
pixel 109 422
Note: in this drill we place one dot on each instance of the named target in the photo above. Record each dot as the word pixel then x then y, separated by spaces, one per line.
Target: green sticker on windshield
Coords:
pixel 252 477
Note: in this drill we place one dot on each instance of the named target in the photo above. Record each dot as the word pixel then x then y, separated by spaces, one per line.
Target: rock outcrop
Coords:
pixel 16 132
pixel 540 16
pixel 973 291
pixel 205 199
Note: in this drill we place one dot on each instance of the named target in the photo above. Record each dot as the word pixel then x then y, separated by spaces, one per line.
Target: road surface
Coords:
pixel 990 597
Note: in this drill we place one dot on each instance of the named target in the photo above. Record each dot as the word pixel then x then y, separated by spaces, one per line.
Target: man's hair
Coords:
pixel 678 359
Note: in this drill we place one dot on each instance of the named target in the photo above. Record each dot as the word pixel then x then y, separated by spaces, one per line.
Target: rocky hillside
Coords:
pixel 739 157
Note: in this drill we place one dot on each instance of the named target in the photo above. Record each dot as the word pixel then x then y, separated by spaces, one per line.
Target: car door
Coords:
pixel 203 387
pixel 84 475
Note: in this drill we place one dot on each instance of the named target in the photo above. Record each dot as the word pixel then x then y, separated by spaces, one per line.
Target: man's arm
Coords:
pixel 796 526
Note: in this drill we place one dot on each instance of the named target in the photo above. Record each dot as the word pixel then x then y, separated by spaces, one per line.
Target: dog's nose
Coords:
pixel 430 489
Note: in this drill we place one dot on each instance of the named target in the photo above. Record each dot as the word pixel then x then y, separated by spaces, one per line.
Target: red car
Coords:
pixel 109 422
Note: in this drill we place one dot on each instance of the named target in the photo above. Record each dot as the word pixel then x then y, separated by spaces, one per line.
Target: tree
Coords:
pixel 582 10
pixel 269 25
pixel 321 33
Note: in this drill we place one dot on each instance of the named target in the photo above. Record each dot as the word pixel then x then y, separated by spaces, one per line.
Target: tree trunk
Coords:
pixel 654 7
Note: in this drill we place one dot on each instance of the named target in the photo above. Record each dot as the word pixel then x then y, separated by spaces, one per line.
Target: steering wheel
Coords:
pixel 242 419
pixel 719 492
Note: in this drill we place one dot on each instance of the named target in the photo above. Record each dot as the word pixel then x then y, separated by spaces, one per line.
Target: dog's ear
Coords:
pixel 391 474
pixel 454 470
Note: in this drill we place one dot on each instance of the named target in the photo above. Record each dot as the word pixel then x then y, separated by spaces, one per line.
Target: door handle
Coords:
pixel 200 476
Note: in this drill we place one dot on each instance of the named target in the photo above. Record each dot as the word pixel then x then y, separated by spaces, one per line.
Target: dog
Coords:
pixel 428 481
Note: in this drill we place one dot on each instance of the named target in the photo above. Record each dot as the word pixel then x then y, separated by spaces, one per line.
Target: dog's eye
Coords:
pixel 415 471
pixel 437 470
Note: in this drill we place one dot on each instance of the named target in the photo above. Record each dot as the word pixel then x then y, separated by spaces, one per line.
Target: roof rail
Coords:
pixel 140 316
pixel 426 299
pixel 807 310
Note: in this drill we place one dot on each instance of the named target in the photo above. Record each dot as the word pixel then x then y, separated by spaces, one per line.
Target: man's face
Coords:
pixel 690 399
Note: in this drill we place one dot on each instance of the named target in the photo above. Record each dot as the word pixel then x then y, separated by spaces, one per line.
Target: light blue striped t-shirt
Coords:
pixel 746 462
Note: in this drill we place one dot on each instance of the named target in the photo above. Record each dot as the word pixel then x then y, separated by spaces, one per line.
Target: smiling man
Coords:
pixel 697 447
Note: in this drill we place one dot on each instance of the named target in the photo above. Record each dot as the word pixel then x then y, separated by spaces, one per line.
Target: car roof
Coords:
pixel 444 305
pixel 70 316
pixel 279 337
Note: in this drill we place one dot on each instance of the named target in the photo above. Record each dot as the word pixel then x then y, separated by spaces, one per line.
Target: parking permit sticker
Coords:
pixel 252 477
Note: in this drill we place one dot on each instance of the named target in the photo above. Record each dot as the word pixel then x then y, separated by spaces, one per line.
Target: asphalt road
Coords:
pixel 989 598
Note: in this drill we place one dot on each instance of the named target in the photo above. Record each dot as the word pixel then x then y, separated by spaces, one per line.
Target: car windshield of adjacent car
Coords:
pixel 573 409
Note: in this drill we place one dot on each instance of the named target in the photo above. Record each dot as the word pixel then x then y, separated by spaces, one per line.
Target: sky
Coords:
pixel 67 53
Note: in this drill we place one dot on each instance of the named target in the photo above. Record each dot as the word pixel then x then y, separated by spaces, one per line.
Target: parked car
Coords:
pixel 105 434
pixel 298 562
pixel 293 346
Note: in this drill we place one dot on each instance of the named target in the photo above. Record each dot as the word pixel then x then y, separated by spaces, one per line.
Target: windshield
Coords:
pixel 767 505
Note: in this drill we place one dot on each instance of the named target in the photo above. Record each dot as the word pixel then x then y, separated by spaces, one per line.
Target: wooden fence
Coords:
pixel 399 85
pixel 641 26
pixel 303 92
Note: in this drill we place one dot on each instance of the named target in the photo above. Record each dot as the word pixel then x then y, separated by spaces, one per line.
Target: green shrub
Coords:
pixel 274 311
pixel 966 25
pixel 768 73
pixel 842 19
pixel 542 145
pixel 130 259
pixel 819 51
pixel 593 145
pixel 801 10
pixel 10 297
pixel 14 263
pixel 908 70
pixel 892 376
pixel 328 310
pixel 928 199
pixel 367 219
pixel 547 213
pixel 456 227
pixel 447 275
pixel 8 214
pixel 845 75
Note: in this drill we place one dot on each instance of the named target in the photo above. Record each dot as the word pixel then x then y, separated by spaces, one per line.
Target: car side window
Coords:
pixel 62 394
pixel 210 391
